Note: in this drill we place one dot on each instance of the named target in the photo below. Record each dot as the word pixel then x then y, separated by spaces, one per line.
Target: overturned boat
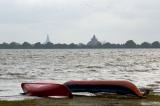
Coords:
pixel 45 89
pixel 107 86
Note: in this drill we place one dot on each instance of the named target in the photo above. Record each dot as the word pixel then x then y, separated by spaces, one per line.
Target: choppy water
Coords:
pixel 140 66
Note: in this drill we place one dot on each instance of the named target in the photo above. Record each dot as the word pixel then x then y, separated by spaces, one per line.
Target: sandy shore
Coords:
pixel 151 100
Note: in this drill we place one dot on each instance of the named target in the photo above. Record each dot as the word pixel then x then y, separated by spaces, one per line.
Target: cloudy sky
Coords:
pixel 76 21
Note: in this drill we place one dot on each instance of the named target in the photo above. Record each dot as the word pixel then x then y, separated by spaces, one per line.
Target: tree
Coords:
pixel 145 45
pixel 72 45
pixel 156 44
pixel 81 45
pixel 107 45
pixel 26 45
pixel 60 46
pixel 38 45
pixel 14 45
pixel 48 45
pixel 4 45
pixel 130 44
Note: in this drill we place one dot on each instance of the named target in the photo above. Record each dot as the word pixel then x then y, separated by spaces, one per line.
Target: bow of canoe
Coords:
pixel 45 89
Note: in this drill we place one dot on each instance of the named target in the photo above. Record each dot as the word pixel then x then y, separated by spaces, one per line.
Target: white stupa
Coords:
pixel 47 40
pixel 94 41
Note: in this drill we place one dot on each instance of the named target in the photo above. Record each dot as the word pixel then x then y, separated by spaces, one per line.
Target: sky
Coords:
pixel 75 21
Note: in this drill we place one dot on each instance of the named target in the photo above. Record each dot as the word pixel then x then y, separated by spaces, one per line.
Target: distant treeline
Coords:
pixel 49 45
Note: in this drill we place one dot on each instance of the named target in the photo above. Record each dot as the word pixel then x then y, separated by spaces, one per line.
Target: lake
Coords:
pixel 140 66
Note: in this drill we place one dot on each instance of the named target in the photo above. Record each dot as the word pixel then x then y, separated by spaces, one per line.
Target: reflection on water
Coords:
pixel 141 66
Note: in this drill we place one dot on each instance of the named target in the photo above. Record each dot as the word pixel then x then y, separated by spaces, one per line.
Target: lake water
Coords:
pixel 140 66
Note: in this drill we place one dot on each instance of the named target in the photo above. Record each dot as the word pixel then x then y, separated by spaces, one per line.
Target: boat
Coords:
pixel 45 89
pixel 122 87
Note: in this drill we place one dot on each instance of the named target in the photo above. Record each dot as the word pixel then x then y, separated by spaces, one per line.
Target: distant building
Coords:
pixel 47 40
pixel 94 42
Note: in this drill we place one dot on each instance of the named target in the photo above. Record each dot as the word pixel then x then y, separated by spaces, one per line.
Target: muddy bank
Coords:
pixel 151 100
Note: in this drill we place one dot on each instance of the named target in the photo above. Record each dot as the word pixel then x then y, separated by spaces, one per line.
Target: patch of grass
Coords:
pixel 18 103
pixel 150 100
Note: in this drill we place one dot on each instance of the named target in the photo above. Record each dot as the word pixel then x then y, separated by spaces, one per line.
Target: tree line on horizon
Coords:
pixel 49 45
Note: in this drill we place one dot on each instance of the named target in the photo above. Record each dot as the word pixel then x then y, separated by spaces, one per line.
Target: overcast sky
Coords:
pixel 67 21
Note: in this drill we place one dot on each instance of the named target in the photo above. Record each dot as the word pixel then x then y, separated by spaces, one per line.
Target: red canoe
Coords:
pixel 45 89
pixel 109 86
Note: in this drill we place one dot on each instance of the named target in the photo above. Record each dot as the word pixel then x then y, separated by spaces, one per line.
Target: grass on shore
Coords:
pixel 150 100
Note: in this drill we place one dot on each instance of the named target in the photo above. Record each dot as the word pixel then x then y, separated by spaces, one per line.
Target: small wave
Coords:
pixel 43 68
pixel 7 78
pixel 93 70
pixel 15 73
pixel 79 66
pixel 153 86
pixel 116 65
pixel 57 70
pixel 4 90
pixel 94 67
pixel 60 57
pixel 139 70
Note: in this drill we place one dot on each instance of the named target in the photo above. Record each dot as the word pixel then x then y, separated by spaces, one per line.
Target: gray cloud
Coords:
pixel 77 20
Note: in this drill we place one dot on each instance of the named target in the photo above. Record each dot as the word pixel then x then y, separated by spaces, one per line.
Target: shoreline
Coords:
pixel 78 100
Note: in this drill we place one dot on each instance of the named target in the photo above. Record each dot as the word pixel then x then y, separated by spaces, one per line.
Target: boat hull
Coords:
pixel 45 89
pixel 110 86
